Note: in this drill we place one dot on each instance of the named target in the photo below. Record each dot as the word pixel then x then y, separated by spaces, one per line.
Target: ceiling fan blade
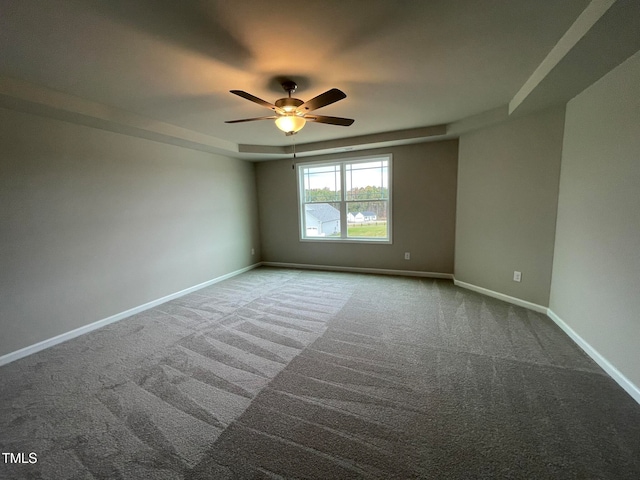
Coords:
pixel 251 119
pixel 322 100
pixel 257 100
pixel 343 122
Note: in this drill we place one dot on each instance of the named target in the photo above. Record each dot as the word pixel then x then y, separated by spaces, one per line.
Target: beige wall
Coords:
pixel 596 269
pixel 93 223
pixel 424 197
pixel 507 198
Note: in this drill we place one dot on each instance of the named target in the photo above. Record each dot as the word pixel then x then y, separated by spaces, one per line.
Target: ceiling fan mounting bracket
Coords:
pixel 289 86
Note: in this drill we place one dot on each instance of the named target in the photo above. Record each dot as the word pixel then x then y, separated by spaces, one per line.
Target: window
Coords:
pixel 347 200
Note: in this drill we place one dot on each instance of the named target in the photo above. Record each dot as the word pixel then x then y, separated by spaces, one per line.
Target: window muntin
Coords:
pixel 321 183
pixel 346 200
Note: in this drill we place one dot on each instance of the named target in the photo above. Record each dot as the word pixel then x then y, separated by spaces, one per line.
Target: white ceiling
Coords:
pixel 163 69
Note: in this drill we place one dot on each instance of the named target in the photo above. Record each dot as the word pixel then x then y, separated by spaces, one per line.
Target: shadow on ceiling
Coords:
pixel 190 24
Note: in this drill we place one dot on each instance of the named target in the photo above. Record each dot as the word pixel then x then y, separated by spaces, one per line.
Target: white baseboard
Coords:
pixel 613 372
pixel 501 296
pixel 50 342
pixel 380 271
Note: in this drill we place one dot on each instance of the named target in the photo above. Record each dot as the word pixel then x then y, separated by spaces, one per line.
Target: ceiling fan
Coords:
pixel 291 114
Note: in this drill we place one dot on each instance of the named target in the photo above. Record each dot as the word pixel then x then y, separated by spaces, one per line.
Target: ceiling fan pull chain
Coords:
pixel 293 161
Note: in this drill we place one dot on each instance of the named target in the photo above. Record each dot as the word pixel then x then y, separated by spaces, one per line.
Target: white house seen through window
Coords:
pixel 347 200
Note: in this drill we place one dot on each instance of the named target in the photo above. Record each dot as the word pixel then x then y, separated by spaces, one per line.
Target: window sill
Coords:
pixel 384 241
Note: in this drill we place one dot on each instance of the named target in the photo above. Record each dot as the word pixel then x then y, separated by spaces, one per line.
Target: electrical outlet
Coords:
pixel 517 276
pixel 253 252
pixel 407 255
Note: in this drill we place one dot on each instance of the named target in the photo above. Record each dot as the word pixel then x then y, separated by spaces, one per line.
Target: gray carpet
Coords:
pixel 298 374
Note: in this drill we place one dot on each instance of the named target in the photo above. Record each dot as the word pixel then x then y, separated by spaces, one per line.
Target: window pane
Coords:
pixel 321 184
pixel 367 180
pixel 367 219
pixel 322 220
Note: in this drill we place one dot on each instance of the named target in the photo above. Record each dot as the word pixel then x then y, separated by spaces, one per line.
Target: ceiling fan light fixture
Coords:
pixel 290 124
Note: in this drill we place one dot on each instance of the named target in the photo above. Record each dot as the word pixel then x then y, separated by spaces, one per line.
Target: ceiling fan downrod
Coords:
pixel 290 104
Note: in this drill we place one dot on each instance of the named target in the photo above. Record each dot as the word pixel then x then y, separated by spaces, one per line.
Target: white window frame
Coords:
pixel 343 203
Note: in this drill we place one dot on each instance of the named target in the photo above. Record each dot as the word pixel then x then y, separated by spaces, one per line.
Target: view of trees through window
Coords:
pixel 346 200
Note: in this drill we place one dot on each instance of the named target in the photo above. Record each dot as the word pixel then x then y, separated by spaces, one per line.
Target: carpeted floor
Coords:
pixel 298 374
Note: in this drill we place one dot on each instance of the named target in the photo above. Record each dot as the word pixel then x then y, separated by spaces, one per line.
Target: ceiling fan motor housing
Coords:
pixel 289 104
